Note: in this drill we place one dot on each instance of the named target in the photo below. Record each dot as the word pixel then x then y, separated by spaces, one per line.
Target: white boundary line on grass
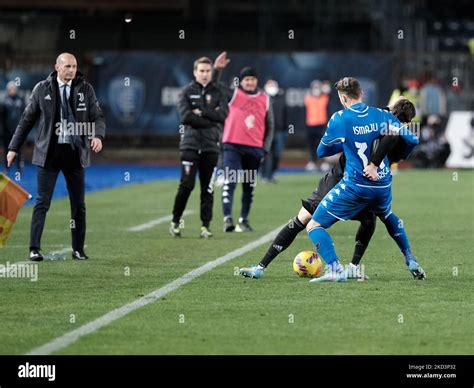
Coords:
pixel 152 223
pixel 72 336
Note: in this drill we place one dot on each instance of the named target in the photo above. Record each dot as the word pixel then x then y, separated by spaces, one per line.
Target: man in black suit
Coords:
pixel 71 123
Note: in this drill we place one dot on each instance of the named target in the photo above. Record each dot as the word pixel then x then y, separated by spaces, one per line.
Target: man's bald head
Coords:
pixel 64 57
pixel 66 66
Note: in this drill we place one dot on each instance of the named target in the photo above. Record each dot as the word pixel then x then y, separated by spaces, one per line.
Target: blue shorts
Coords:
pixel 346 200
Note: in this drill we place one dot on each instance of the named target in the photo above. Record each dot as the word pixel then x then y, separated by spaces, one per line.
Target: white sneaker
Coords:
pixel 331 276
pixel 355 272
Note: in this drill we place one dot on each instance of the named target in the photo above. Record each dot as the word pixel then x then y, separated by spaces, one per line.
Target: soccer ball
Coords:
pixel 307 264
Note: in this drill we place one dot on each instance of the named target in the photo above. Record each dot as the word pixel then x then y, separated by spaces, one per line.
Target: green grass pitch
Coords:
pixel 223 313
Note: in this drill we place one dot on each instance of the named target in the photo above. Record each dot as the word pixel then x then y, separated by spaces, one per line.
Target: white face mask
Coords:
pixel 326 89
pixel 271 90
pixel 316 92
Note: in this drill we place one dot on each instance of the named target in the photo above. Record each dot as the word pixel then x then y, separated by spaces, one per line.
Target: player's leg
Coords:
pixel 283 240
pixel 207 164
pixel 189 164
pixel 286 236
pixel 342 203
pixel 382 206
pixel 250 165
pixel 232 163
pixel 288 233
pixel 324 244
pixel 396 230
pixel 363 236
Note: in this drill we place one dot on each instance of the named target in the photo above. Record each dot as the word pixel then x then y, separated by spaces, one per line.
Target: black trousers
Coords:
pixel 191 163
pixel 64 159
pixel 314 134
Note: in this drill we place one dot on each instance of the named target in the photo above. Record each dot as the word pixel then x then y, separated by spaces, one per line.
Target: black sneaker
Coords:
pixel 35 255
pixel 243 226
pixel 76 255
pixel 228 225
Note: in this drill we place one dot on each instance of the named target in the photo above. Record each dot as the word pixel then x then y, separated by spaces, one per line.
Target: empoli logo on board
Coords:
pixel 126 97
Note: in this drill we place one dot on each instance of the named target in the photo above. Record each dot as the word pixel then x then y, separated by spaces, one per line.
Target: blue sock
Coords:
pixel 325 247
pixel 397 232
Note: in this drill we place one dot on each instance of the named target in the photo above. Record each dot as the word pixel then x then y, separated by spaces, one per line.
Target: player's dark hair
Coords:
pixel 202 60
pixel 350 87
pixel 404 110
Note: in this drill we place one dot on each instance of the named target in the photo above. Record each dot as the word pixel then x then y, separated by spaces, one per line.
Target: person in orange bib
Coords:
pixel 316 103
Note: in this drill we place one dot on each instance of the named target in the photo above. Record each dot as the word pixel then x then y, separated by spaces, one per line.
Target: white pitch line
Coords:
pixel 152 223
pixel 72 336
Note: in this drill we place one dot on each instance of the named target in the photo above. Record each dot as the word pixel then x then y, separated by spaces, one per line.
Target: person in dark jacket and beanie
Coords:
pixel 70 124
pixel 202 109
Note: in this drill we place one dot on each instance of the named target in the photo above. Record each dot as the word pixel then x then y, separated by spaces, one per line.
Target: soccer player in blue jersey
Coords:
pixel 392 146
pixel 354 130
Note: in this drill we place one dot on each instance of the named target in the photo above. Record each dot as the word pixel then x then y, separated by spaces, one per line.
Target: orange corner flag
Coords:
pixel 12 198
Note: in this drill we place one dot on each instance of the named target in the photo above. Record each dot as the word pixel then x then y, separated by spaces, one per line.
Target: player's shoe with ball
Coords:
pixel 253 271
pixel 416 270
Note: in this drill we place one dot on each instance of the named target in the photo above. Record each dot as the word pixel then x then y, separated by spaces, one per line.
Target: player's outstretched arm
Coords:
pixel 331 143
pixel 328 150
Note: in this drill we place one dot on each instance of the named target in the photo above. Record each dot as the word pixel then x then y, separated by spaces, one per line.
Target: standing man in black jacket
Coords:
pixel 71 123
pixel 202 109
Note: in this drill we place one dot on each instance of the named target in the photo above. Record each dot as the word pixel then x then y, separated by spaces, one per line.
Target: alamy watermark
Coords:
pixel 231 175
pixel 17 270
pixel 70 128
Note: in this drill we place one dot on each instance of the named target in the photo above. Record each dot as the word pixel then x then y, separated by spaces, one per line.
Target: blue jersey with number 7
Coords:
pixel 353 130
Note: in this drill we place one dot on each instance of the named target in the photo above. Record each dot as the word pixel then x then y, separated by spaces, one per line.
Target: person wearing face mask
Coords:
pixel 316 103
pixel 272 160
pixel 326 87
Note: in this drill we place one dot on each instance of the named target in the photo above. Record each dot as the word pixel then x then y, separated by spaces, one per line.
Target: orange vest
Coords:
pixel 316 109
